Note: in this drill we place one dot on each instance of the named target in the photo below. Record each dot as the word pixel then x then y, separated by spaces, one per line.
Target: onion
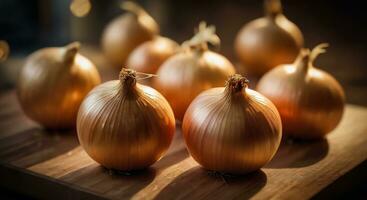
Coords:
pixel 124 125
pixel 310 101
pixel 184 75
pixel 149 56
pixel 53 83
pixel 269 41
pixel 233 129
pixel 126 32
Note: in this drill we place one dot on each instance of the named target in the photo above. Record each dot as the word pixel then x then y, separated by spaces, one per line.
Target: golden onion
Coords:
pixel 269 41
pixel 195 69
pixel 310 101
pixel 126 32
pixel 232 129
pixel 124 125
pixel 53 83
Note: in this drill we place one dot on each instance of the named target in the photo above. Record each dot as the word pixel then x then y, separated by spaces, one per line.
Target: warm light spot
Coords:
pixel 4 50
pixel 315 73
pixel 84 63
pixel 219 61
pixel 161 46
pixel 290 69
pixel 152 93
pixel 80 8
pixel 75 96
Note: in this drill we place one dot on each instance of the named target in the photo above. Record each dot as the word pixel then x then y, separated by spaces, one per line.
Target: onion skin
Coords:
pixel 195 69
pixel 234 131
pixel 124 125
pixel 53 83
pixel 126 32
pixel 150 55
pixel 267 42
pixel 185 75
pixel 310 101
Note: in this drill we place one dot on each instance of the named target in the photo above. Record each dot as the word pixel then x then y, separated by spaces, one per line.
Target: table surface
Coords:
pixel 44 164
pixel 51 164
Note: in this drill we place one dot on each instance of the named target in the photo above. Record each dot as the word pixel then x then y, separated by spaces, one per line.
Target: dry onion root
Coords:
pixel 269 41
pixel 195 69
pixel 53 83
pixel 310 101
pixel 126 32
pixel 232 129
pixel 124 125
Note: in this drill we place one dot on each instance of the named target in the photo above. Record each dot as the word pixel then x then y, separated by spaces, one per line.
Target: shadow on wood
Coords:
pixel 176 153
pixel 188 185
pixel 36 145
pixel 296 153
pixel 116 184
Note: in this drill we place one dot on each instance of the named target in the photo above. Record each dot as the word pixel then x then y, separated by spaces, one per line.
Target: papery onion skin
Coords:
pixel 234 132
pixel 125 126
pixel 310 101
pixel 150 55
pixel 125 33
pixel 184 75
pixel 267 42
pixel 53 83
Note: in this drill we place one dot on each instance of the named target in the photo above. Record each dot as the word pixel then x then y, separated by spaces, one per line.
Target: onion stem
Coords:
pixel 127 77
pixel 272 8
pixel 306 56
pixel 236 83
pixel 70 52
pixel 316 51
pixel 205 35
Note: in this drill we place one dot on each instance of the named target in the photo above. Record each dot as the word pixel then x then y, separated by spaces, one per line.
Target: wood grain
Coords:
pixel 51 164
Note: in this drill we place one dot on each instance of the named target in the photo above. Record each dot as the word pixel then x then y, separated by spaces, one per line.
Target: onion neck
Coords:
pixel 272 8
pixel 127 80
pixel 142 16
pixel 235 85
pixel 200 41
pixel 303 61
pixel 70 52
pixel 200 48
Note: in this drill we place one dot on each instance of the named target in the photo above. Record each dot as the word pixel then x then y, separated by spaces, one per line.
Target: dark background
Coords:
pixel 31 24
pixel 28 25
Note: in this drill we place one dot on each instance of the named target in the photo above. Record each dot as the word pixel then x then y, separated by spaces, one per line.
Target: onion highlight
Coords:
pixel 126 32
pixel 269 41
pixel 124 125
pixel 310 101
pixel 53 83
pixel 232 129
pixel 195 69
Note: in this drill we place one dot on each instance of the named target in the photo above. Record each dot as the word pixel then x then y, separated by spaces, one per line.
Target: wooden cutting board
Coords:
pixel 51 164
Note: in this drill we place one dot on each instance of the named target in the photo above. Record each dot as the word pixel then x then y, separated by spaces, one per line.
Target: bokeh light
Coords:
pixel 80 8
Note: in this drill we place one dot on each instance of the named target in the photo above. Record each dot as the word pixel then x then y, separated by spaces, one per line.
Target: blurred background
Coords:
pixel 29 25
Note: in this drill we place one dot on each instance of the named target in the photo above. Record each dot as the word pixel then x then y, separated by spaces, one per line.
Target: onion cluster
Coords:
pixel 232 129
pixel 269 41
pixel 124 125
pixel 195 69
pixel 126 32
pixel 53 83
pixel 310 101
